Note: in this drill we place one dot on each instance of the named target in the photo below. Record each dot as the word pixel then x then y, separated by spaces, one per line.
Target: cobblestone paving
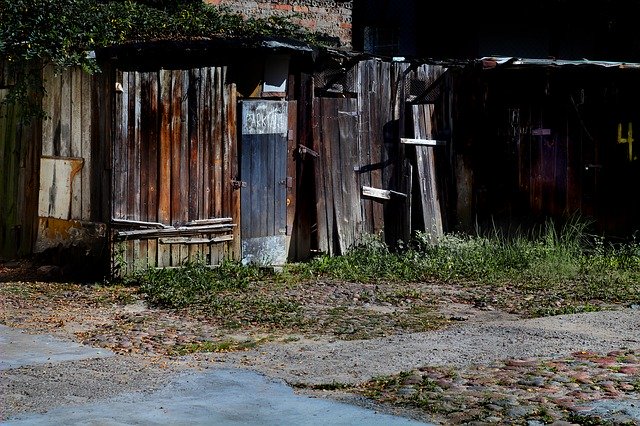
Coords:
pixel 586 388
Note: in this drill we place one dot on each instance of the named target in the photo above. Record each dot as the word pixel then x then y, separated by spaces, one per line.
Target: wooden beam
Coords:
pixel 180 231
pixel 382 194
pixel 422 142
pixel 196 240
pixel 212 221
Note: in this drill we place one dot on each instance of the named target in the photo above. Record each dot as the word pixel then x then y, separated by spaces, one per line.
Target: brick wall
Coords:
pixel 326 16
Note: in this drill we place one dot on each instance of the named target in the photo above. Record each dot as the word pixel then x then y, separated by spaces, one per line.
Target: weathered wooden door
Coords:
pixel 263 171
pixel 174 160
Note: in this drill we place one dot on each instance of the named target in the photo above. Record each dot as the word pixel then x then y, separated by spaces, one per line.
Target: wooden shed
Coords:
pixel 544 138
pixel 275 151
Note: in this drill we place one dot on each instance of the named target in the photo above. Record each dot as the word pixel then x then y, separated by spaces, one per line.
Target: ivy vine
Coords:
pixel 63 31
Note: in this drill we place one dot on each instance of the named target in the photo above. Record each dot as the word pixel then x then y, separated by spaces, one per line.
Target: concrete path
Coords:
pixel 209 397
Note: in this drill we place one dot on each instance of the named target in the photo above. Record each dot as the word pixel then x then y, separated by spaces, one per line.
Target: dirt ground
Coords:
pixel 462 332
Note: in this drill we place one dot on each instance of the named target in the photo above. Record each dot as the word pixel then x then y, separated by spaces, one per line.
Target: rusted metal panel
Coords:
pixel 263 167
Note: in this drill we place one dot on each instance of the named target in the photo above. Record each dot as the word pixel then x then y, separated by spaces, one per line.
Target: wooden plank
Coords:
pixel 65 114
pixel 164 166
pixel 329 132
pixel 196 240
pixel 320 192
pixel 422 142
pixel 426 172
pixel 219 142
pixel 75 118
pixel 152 126
pixel 366 130
pixel 380 194
pixel 291 179
pixel 179 182
pixel 180 230
pixel 382 123
pixel 51 104
pixel 212 221
pixel 133 168
pixel 194 155
pixel 231 137
pixel 7 143
pixel 86 125
pixel 346 201
pixel 305 197
pixel 205 137
pixel 280 182
pixel 118 175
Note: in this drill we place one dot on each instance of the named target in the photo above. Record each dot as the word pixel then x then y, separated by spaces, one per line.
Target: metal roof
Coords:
pixel 489 62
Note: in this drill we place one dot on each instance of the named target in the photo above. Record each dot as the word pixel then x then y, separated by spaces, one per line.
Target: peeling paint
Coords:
pixel 60 233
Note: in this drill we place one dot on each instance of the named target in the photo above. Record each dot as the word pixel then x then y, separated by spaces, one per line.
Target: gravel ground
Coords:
pixel 483 366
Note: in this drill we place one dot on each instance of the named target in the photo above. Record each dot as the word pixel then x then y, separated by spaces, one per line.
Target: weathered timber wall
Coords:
pixel 358 142
pixel 69 211
pixel 19 143
pixel 544 144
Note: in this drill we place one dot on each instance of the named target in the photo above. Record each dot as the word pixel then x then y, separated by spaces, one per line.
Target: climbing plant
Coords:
pixel 63 32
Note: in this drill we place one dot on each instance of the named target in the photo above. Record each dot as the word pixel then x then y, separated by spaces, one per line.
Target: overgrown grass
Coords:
pixel 553 271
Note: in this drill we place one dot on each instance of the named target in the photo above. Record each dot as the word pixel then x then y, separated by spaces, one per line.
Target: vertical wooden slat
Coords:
pixel 218 142
pixel 231 138
pixel 426 172
pixel 51 105
pixel 119 171
pixel 204 141
pixel 195 173
pixel 176 156
pixel 132 195
pixel 321 210
pixel 151 128
pixel 164 171
pixel 363 85
pixel 205 137
pixel 7 141
pixel 291 182
pixel 86 125
pixel 184 158
pixel 280 185
pixel 75 136
pixel 346 193
pixel 65 114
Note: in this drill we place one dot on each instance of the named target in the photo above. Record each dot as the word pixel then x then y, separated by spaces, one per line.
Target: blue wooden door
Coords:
pixel 263 168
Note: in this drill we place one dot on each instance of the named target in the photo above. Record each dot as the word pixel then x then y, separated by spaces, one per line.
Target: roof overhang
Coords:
pixel 491 62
